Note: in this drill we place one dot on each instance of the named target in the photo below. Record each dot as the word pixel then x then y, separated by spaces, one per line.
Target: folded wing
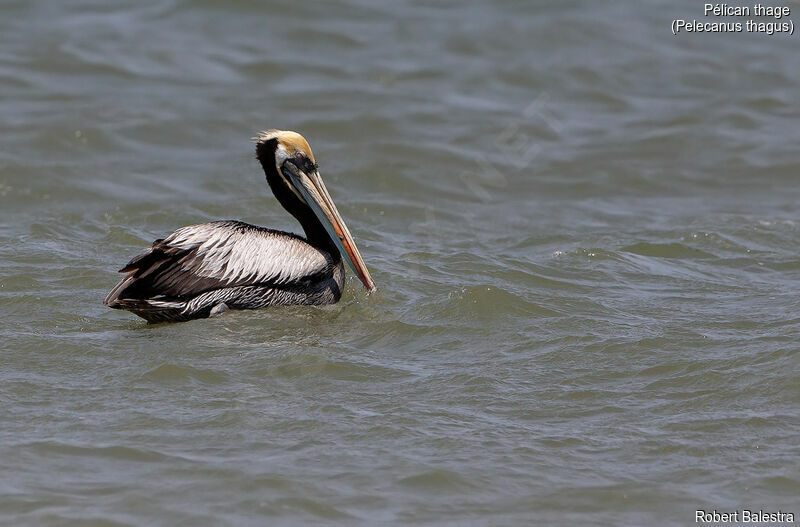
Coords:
pixel 199 258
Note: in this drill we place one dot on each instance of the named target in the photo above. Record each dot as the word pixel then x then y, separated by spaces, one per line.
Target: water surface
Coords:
pixel 584 230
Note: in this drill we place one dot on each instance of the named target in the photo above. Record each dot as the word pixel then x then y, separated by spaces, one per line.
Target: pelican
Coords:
pixel 205 269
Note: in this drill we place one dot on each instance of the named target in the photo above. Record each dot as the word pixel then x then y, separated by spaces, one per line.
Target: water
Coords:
pixel 584 231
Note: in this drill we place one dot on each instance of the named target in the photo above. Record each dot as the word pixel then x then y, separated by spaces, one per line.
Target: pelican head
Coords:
pixel 298 171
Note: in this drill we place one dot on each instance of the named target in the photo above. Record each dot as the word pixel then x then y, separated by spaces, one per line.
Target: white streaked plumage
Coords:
pixel 207 268
pixel 233 255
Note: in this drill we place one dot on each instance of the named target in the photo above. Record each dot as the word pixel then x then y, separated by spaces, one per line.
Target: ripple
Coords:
pixel 489 301
pixel 314 507
pixel 175 373
pixel 301 364
pixel 437 480
pixel 666 250
pixel 118 452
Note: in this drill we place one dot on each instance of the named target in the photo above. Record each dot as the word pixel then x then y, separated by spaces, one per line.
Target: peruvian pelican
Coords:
pixel 205 269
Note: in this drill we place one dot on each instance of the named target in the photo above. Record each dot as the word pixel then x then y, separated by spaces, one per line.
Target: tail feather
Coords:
pixel 132 293
pixel 152 310
pixel 114 297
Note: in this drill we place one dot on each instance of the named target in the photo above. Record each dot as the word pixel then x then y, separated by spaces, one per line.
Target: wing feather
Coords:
pixel 198 258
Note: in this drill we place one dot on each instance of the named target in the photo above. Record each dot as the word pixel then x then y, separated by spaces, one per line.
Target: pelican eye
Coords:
pixel 303 163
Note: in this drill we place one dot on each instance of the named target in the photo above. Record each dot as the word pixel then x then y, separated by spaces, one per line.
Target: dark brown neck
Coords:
pixel 315 232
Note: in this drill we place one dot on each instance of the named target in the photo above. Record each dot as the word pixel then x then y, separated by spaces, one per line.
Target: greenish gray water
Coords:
pixel 584 230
